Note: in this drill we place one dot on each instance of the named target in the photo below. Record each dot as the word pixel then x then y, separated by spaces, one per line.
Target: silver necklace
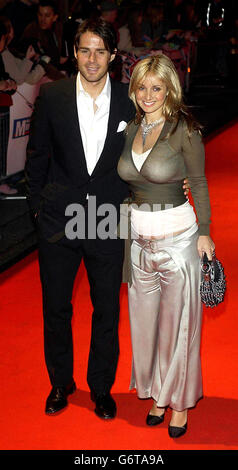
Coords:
pixel 147 128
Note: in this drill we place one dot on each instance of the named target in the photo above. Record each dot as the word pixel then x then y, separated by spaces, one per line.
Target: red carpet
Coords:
pixel 213 424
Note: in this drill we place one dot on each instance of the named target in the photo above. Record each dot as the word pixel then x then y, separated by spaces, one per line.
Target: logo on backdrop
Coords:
pixel 21 127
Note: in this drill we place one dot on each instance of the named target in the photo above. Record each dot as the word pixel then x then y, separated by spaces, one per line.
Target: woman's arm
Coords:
pixel 194 157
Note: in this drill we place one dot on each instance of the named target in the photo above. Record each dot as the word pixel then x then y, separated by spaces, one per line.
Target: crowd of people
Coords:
pixel 49 27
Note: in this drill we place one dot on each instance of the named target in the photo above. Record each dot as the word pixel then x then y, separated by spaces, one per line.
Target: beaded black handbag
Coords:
pixel 213 282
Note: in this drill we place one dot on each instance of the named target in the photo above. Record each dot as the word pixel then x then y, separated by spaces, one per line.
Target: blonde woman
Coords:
pixel 163 146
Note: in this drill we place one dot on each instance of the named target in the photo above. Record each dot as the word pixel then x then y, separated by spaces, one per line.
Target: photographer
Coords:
pixel 45 35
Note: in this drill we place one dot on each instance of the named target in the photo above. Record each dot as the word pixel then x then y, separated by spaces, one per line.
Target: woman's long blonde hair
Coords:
pixel 173 108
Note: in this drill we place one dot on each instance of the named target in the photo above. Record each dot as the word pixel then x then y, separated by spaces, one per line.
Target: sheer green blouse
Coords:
pixel 174 157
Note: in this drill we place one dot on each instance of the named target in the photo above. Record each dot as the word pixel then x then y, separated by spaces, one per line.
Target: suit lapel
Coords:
pixel 72 123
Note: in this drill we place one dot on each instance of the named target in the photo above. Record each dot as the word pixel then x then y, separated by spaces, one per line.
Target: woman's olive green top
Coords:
pixel 174 157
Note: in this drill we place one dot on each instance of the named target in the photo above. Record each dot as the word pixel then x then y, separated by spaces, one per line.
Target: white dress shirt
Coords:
pixel 93 125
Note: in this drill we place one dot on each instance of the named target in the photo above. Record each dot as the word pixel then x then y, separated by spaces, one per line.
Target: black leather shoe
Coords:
pixel 105 405
pixel 57 399
pixel 175 431
pixel 152 420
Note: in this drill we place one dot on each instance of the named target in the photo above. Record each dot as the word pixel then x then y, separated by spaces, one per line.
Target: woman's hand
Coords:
pixel 7 85
pixel 3 85
pixel 12 85
pixel 205 245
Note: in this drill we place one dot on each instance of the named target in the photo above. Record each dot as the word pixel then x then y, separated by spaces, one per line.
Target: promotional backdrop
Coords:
pixel 20 114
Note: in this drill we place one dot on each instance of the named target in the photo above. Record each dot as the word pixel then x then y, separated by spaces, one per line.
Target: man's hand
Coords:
pixel 186 187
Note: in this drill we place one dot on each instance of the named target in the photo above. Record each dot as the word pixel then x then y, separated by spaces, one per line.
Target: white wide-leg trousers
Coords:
pixel 165 318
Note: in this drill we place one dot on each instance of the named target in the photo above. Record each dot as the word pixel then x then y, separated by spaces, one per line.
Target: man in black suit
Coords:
pixel 75 142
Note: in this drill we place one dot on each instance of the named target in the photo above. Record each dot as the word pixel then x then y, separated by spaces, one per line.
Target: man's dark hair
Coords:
pixel 100 28
pixel 3 29
pixel 49 3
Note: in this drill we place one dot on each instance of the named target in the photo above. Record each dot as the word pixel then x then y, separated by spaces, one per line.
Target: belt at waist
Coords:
pixel 163 195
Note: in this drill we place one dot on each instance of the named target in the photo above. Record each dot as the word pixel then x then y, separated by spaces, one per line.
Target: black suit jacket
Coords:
pixel 56 168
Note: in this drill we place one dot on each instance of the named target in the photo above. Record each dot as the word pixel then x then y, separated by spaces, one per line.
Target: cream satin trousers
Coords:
pixel 165 318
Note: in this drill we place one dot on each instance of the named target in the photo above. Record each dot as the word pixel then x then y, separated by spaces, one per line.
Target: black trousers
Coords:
pixel 59 263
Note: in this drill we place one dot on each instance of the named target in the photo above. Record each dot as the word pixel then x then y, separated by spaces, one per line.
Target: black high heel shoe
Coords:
pixel 175 431
pixel 152 420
